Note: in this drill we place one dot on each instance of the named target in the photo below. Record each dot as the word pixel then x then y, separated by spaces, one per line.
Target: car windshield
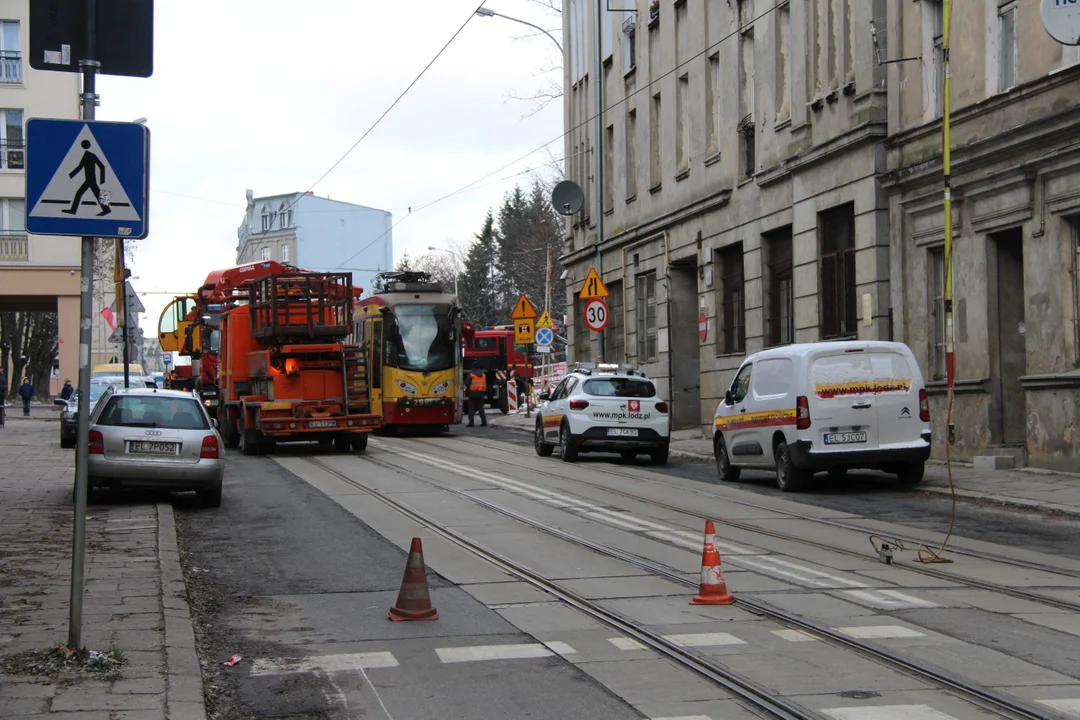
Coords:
pixel 153 411
pixel 620 387
pixel 422 338
pixel 118 380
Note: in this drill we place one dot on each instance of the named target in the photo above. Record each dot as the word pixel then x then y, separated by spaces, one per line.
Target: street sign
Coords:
pixel 1061 18
pixel 545 321
pixel 87 178
pixel 543 349
pixel 124 41
pixel 134 304
pixel 135 336
pixel 596 314
pixel 523 309
pixel 703 325
pixel 544 336
pixel 524 332
pixel 593 287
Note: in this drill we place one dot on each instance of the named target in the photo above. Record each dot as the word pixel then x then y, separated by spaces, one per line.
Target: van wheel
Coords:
pixel 911 473
pixel 543 449
pixel 569 452
pixel 723 461
pixel 788 477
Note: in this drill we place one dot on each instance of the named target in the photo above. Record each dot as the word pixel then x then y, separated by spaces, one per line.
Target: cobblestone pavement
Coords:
pixel 1030 488
pixel 135 597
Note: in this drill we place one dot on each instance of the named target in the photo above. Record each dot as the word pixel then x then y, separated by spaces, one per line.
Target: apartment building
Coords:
pixel 742 154
pixel 37 273
pixel 317 233
pixel 1016 223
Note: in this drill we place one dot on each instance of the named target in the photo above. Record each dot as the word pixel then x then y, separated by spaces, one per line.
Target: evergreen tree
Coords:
pixel 528 227
pixel 481 295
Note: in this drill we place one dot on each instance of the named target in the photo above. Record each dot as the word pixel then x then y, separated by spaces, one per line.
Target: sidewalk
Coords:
pixel 135 603
pixel 1030 488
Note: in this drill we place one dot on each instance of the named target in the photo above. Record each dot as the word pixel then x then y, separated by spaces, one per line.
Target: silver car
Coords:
pixel 160 439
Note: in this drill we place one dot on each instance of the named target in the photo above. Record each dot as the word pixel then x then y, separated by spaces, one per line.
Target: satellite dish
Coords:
pixel 567 198
pixel 1061 18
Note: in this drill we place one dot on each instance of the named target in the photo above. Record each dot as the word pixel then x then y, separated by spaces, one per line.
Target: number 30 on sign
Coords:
pixel 596 314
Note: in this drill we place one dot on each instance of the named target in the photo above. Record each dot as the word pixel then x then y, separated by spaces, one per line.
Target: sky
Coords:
pixel 269 94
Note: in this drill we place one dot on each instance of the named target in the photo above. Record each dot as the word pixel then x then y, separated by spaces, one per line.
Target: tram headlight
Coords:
pixel 406 387
pixel 441 388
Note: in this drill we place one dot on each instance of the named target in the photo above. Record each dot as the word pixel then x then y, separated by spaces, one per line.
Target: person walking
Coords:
pixel 3 393
pixel 67 391
pixel 477 395
pixel 26 391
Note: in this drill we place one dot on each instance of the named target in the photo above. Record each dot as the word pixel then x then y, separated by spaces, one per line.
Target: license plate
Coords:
pixel 143 447
pixel 845 438
pixel 322 424
pixel 622 432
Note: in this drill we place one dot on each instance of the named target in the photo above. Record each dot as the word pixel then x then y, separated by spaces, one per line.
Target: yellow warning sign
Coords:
pixel 594 287
pixel 524 332
pixel 523 309
pixel 545 321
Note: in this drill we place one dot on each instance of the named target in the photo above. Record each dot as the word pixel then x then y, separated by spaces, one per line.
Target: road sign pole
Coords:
pixel 598 145
pixel 89 67
pixel 124 304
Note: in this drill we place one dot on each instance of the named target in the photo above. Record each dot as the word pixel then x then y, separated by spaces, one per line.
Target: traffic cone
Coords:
pixel 414 602
pixel 713 589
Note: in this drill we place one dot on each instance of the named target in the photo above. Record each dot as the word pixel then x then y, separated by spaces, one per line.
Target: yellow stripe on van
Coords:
pixel 767 418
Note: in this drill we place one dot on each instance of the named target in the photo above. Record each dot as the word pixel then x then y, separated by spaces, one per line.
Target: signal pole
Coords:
pixel 950 361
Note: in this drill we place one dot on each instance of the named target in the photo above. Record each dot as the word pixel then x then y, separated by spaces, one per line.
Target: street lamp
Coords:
pixel 485 12
pixel 432 248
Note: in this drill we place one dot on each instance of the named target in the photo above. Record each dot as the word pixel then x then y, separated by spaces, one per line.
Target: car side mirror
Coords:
pixel 544 397
pixel 728 397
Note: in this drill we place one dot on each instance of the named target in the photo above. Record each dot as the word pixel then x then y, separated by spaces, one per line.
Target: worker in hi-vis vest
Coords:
pixel 476 382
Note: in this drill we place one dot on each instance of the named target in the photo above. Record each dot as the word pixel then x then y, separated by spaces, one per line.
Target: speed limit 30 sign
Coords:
pixel 596 314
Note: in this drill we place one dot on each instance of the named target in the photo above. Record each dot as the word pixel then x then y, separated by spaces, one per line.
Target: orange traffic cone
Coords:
pixel 713 590
pixel 414 602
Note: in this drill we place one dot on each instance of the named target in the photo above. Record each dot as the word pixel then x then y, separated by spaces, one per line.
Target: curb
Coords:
pixel 184 689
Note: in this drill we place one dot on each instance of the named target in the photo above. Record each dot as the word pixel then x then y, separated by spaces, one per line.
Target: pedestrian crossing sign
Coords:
pixel 87 178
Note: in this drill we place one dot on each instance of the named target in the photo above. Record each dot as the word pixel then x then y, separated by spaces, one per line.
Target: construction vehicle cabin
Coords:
pixel 411 331
pixel 492 349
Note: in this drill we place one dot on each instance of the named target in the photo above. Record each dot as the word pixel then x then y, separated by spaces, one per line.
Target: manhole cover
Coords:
pixel 859 694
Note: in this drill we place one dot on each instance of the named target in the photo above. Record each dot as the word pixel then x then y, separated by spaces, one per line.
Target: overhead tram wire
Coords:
pixel 580 125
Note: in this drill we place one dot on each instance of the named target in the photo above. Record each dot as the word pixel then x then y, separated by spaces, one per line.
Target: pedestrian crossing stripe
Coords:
pixel 77 177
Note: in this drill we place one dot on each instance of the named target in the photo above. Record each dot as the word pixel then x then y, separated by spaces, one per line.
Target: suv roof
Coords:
pixel 591 368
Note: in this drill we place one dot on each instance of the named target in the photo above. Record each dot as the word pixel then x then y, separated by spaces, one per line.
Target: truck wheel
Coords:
pixel 342 443
pixel 359 442
pixel 249 439
pixel 229 434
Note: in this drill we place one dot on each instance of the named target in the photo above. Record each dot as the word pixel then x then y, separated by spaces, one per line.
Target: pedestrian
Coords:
pixel 477 395
pixel 67 391
pixel 26 391
pixel 3 386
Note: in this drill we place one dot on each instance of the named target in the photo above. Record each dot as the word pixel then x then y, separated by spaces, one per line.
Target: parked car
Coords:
pixel 603 408
pixel 828 406
pixel 69 412
pixel 160 439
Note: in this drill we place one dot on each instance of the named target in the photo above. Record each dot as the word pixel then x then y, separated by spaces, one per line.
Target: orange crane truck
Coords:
pixel 286 373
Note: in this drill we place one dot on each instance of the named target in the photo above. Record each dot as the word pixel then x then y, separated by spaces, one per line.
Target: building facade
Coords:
pixel 742 152
pixel 316 233
pixel 1016 224
pixel 37 273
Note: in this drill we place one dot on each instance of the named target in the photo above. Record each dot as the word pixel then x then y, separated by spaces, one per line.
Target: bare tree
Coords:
pixel 551 89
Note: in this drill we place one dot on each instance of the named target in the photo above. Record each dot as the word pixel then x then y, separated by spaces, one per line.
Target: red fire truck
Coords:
pixel 492 348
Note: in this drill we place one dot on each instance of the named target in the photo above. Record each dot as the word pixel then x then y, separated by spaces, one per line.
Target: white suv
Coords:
pixel 603 408
pixel 825 406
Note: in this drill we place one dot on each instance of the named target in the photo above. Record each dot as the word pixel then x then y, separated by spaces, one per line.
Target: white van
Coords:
pixel 829 406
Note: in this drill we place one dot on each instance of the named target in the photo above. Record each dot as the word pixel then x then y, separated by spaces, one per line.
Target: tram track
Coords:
pixel 758 698
pixel 916 567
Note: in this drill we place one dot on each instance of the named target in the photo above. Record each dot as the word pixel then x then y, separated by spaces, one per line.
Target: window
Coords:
pixel 780 291
pixel 645 297
pixel 937 34
pixel 10 52
pixel 285 215
pixel 267 220
pixel 654 143
pixel 619 387
pixel 740 386
pixel 12 152
pixel 1007 47
pixel 609 168
pixel 936 263
pixel 836 229
pixel 631 155
pixel 783 62
pixel 14 216
pixel 682 127
pixel 747 101
pixel 773 377
pixel 713 98
pixel 284 252
pixel 266 253
pixel 732 336
pixel 153 411
pixel 614 350
pixel 630 46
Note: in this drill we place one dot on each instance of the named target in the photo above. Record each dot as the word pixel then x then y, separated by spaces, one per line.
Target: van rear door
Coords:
pixel 843 407
pixel 897 383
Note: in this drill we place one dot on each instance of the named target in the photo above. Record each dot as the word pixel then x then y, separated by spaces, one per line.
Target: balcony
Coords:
pixel 13 155
pixel 13 247
pixel 10 66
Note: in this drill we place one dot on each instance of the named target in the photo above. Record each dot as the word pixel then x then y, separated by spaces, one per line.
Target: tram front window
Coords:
pixel 424 338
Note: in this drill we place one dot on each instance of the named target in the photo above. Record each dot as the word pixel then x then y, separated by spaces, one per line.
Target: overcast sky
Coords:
pixel 268 94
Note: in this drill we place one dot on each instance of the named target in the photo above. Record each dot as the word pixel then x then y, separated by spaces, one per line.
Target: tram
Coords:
pixel 411 332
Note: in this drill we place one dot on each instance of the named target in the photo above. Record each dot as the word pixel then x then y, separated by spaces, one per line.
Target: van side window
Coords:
pixel 741 386
pixel 772 377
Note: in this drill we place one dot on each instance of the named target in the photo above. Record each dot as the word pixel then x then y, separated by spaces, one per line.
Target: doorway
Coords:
pixel 685 349
pixel 1010 363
